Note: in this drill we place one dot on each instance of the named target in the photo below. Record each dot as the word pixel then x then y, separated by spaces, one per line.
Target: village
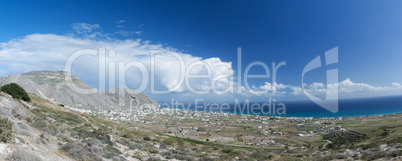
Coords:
pixel 231 129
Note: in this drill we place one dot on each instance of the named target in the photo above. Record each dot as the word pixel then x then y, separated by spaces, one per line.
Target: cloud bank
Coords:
pixel 345 88
pixel 50 52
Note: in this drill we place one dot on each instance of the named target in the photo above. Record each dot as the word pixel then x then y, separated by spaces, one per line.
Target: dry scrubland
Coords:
pixel 43 130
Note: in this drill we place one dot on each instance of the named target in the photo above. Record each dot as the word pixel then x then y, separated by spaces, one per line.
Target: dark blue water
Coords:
pixel 347 108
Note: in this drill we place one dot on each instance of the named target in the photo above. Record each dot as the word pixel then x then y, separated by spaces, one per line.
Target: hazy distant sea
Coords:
pixel 347 108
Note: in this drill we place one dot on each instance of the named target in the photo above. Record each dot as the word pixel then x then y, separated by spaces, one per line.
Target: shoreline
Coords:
pixel 285 116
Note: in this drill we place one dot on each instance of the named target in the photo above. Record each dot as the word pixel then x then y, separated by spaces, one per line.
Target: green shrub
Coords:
pixel 154 151
pixel 102 135
pixel 168 154
pixel 19 155
pixel 128 135
pixel 54 128
pixel 28 119
pixel 66 139
pixel 373 155
pixel 111 152
pixel 169 141
pixel 40 123
pixel 341 156
pixel 79 152
pixel 261 155
pixel 369 146
pixel 15 91
pixel 6 131
pixel 394 153
pixel 231 152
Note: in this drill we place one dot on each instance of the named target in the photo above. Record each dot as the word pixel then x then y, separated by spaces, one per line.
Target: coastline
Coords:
pixel 286 116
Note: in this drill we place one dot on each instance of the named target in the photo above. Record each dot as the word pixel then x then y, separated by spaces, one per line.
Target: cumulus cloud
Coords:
pixel 120 21
pixel 348 87
pixel 129 33
pixel 86 29
pixel 50 52
pixel 268 88
pixel 343 88
pixel 121 24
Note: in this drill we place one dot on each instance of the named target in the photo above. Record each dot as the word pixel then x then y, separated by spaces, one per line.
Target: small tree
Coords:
pixel 6 129
pixel 15 91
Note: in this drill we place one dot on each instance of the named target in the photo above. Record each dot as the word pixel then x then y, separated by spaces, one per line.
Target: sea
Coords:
pixel 356 107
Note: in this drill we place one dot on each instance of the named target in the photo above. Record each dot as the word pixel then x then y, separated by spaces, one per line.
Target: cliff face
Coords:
pixel 53 86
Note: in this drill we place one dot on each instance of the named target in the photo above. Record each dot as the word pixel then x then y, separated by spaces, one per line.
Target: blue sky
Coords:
pixel 368 35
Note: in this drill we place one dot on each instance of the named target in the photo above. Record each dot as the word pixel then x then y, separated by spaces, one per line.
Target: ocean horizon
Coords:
pixel 357 107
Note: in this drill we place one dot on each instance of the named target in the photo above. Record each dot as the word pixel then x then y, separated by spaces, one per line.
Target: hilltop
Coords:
pixel 53 86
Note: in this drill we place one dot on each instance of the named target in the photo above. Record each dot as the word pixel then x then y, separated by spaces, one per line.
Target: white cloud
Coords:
pixel 120 21
pixel 128 33
pixel 50 52
pixel 268 88
pixel 396 84
pixel 85 28
pixel 120 24
pixel 345 88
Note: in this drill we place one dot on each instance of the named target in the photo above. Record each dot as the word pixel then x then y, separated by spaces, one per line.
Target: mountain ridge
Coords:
pixel 53 86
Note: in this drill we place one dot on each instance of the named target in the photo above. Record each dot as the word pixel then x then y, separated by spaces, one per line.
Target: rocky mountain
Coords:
pixel 53 86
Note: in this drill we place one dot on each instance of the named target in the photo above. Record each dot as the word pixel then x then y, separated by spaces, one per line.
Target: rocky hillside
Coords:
pixel 54 87
pixel 42 130
pixel 28 141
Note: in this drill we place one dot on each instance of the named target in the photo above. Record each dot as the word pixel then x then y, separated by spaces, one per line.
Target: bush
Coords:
pixel 6 131
pixel 261 155
pixel 40 123
pixel 231 152
pixel 292 158
pixel 154 151
pixel 153 159
pixel 28 119
pixel 168 154
pixel 369 146
pixel 80 152
pixel 111 152
pixel 206 158
pixel 169 141
pixel 15 91
pixel 128 135
pixel 20 155
pixel 341 156
pixel 373 155
pixel 394 153
pixel 102 135
pixel 147 138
